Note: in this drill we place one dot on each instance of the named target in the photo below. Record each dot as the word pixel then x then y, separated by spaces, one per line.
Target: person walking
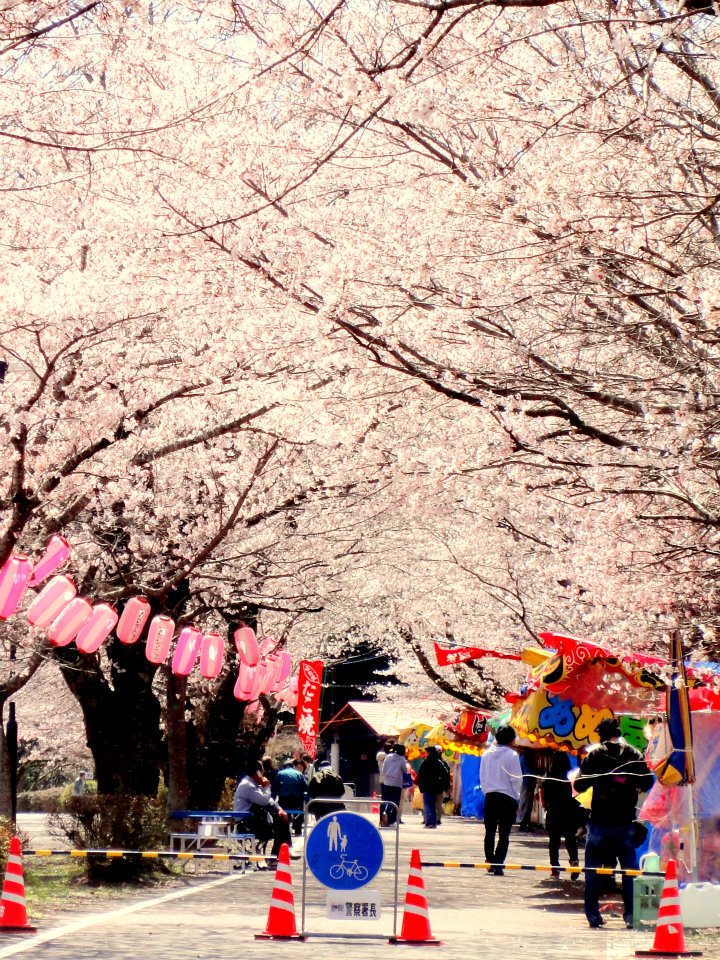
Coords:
pixel 501 783
pixel 377 777
pixel 439 809
pixel 433 779
pixel 79 786
pixel 391 786
pixel 617 773
pixel 562 812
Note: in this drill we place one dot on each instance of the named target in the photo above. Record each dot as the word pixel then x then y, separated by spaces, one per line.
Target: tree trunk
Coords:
pixel 5 789
pixel 176 728
pixel 122 719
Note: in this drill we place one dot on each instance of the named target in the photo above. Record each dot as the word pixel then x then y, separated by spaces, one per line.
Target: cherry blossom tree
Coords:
pixel 387 315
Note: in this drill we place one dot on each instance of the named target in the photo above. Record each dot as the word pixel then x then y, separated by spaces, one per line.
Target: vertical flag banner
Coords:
pixel 678 766
pixel 308 705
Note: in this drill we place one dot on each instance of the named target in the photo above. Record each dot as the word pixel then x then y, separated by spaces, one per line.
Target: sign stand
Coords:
pixel 335 871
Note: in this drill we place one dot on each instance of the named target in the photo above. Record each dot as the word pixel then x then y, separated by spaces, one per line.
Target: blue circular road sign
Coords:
pixel 344 851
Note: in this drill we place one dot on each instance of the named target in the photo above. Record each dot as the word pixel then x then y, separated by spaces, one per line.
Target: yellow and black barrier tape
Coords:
pixel 153 855
pixel 540 867
pixel 257 858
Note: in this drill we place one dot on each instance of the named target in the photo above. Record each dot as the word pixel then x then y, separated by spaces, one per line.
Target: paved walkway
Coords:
pixel 215 913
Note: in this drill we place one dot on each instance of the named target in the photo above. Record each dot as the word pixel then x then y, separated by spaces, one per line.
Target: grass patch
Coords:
pixel 51 881
pixel 55 884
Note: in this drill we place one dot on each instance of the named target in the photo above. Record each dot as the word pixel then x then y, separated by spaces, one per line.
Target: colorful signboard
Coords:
pixel 553 720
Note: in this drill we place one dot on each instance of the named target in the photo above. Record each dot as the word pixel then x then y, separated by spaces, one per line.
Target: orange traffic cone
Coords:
pixel 416 919
pixel 281 915
pixel 375 806
pixel 13 915
pixel 669 936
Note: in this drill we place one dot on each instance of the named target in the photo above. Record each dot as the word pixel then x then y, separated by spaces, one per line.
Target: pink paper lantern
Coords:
pixel 212 652
pixel 247 646
pixel 265 675
pixel 272 665
pixel 52 599
pixel 14 578
pixel 239 691
pixel 159 638
pixel 133 620
pixel 56 553
pixel 268 646
pixel 67 624
pixel 247 686
pixel 95 631
pixel 283 694
pixel 281 668
pixel 284 670
pixel 187 651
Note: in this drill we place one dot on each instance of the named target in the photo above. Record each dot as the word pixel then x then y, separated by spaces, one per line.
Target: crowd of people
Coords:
pixel 617 773
pixel 274 802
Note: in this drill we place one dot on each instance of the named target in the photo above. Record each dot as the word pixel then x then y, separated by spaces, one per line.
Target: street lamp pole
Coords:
pixel 11 739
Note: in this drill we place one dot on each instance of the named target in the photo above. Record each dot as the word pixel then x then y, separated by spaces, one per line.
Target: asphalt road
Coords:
pixel 217 913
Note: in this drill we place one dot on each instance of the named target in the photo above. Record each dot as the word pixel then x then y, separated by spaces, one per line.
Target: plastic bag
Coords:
pixel 658 805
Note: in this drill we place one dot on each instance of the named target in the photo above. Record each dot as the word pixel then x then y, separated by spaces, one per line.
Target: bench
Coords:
pixel 216 828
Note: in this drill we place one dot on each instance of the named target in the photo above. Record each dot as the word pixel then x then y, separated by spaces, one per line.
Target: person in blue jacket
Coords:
pixel 289 787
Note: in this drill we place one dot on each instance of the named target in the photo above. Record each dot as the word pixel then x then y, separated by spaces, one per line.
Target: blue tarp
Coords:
pixel 472 800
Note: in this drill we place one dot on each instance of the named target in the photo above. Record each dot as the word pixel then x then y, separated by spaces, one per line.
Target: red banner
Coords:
pixel 308 706
pixel 447 656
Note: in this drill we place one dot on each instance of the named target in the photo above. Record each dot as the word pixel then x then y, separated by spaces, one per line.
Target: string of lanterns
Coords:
pixel 66 618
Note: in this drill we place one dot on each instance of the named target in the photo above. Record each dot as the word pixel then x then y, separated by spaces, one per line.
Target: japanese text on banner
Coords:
pixel 308 707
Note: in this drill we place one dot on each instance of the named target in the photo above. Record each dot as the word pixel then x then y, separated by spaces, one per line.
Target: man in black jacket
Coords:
pixel 617 773
pixel 325 784
pixel 433 778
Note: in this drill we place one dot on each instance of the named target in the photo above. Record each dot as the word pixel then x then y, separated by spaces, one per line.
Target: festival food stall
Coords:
pixel 665 708
pixel 462 738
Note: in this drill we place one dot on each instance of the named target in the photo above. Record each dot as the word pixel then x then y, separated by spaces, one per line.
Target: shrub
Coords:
pixel 116 822
pixel 6 833
pixel 66 794
pixel 227 796
pixel 40 801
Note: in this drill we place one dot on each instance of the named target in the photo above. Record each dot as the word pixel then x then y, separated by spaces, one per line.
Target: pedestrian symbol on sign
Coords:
pixel 333 832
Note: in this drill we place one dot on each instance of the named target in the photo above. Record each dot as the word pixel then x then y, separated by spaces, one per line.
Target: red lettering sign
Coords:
pixel 308 706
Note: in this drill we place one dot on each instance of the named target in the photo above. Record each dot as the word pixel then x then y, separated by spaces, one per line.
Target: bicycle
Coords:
pixel 352 869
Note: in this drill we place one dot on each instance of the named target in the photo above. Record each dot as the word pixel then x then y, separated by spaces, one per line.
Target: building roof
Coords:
pixel 388 719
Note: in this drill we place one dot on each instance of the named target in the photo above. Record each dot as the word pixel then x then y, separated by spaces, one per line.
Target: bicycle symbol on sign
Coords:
pixel 351 869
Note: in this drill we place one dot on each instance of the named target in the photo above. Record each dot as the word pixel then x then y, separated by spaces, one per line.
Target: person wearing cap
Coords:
pixel 79 786
pixel 617 773
pixel 501 782
pixel 264 817
pixel 289 786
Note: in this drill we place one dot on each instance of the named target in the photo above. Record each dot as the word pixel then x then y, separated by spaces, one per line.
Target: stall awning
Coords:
pixel 388 719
